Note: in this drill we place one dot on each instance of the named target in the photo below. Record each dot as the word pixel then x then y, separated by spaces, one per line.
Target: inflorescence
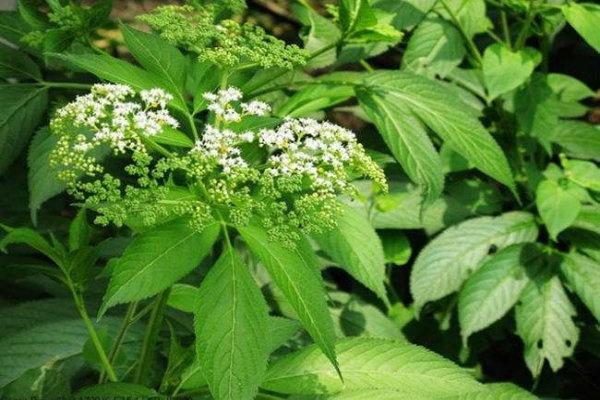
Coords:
pixel 289 176
pixel 226 42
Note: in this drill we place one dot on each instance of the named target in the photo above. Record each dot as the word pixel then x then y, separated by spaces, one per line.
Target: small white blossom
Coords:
pixel 155 97
pixel 259 108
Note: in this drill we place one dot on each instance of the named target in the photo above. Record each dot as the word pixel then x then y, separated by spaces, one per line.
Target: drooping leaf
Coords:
pixel 21 111
pixel 505 70
pixel 295 272
pixel 406 137
pixel 447 260
pixel 156 259
pixel 231 325
pixel 435 47
pixel 369 364
pixel 437 108
pixel 495 287
pixel 32 239
pixel 355 246
pixel 545 324
pixel 583 275
pixel 585 19
pixel 41 179
pixel 314 98
pixel 558 206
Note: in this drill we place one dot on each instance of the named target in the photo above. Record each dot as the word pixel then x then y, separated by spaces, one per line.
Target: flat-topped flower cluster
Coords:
pixel 289 175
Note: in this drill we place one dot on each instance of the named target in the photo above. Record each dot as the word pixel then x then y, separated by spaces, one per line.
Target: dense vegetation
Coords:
pixel 364 199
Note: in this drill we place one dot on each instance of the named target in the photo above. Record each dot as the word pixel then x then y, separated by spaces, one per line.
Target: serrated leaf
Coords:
pixel 32 239
pixel 585 19
pixel 558 206
pixel 583 275
pixel 173 137
pixel 491 291
pixel 447 260
pixel 295 272
pixel 355 246
pixel 545 324
pixel 369 364
pixel 156 259
pixel 160 58
pixel 22 109
pixel 41 180
pixel 231 324
pixel 436 107
pixel 578 138
pixel 406 137
pixel 435 47
pixel 505 70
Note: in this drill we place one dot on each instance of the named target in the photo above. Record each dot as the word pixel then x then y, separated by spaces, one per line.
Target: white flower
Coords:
pixel 155 97
pixel 255 108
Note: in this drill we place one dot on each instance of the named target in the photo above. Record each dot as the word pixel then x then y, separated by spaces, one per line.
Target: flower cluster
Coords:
pixel 290 175
pixel 225 42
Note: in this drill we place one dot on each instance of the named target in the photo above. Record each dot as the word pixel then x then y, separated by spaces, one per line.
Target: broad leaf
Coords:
pixel 183 297
pixel 160 58
pixel 314 98
pixel 355 246
pixel 116 389
pixel 21 111
pixel 435 47
pixel 579 139
pixel 405 14
pixel 584 173
pixel 231 323
pixel 407 138
pixel 80 231
pixel 396 247
pixel 545 323
pixel 27 315
pixel 558 206
pixel 173 137
pixel 585 19
pixel 583 275
pixel 447 260
pixel 295 272
pixel 32 239
pixel 495 287
pixel 437 107
pixel 321 33
pixel 157 259
pixel 41 180
pixel 505 70
pixel 369 364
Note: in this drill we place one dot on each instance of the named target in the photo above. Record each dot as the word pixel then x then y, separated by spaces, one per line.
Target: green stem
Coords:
pixel 366 66
pixel 470 43
pixel 190 120
pixel 155 146
pixel 92 332
pixel 522 36
pixel 65 85
pixel 151 337
pixel 114 351
pixel 505 29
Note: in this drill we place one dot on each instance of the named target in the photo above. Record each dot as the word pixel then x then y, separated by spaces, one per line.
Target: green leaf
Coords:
pixel 80 231
pixel 160 58
pixel 558 206
pixel 41 180
pixel 585 19
pixel 435 47
pixel 406 137
pixel 505 70
pixel 22 109
pixel 321 33
pixel 183 297
pixel 354 317
pixel 578 138
pixel 231 326
pixel 471 15
pixel 396 247
pixel 118 389
pixel 173 137
pixel 491 291
pixel 17 64
pixel 589 218
pixel 26 315
pixel 13 27
pixel 355 246
pixel 295 272
pixel 545 324
pixel 583 275
pixel 568 88
pixel 584 173
pixel 314 98
pixel 447 260
pixel 157 259
pixel 355 15
pixel 280 331
pixel 32 239
pixel 369 364
pixel 437 107
pixel 405 14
